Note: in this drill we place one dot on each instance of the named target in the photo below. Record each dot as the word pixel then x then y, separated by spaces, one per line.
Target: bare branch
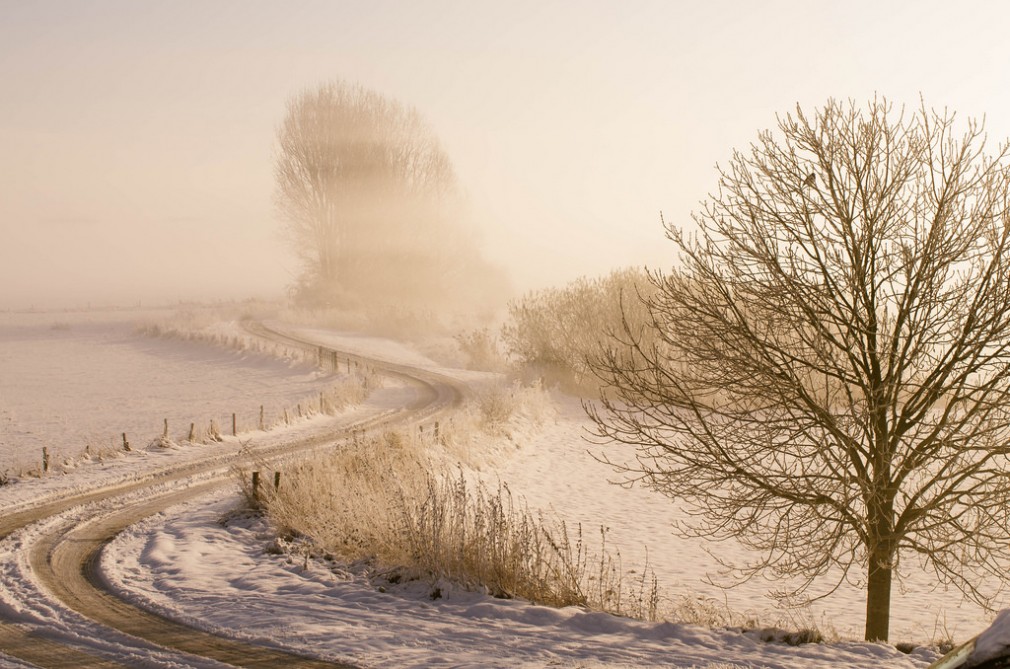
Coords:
pixel 829 374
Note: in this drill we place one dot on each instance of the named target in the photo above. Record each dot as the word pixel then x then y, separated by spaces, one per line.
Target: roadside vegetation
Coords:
pixel 406 505
pixel 555 333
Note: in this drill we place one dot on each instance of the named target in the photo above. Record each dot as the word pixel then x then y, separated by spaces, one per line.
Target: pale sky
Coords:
pixel 137 138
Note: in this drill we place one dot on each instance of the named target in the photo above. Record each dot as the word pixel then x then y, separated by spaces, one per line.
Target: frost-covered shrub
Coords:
pixel 387 501
pixel 554 333
pixel 481 350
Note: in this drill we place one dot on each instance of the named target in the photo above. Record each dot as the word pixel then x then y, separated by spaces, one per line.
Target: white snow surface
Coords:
pixel 76 381
pixel 557 468
pixel 380 348
pixel 994 641
pixel 218 576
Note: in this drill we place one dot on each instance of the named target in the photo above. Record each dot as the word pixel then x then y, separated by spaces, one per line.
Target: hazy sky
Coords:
pixel 137 138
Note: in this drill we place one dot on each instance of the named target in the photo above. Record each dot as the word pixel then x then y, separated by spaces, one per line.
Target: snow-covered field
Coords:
pixel 557 469
pixel 219 576
pixel 76 381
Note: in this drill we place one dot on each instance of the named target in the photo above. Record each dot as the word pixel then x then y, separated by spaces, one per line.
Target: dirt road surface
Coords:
pixel 90 626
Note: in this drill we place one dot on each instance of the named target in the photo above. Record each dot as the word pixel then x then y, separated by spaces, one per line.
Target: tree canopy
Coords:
pixel 828 378
pixel 370 201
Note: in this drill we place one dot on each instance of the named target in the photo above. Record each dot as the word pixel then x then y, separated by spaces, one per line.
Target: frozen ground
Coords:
pixel 77 381
pixel 188 564
pixel 556 469
pixel 218 576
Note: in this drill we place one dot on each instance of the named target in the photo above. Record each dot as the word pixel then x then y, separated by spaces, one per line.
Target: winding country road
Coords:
pixel 70 618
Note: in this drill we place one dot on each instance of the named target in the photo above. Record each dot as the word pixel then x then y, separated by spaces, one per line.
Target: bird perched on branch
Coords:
pixel 811 181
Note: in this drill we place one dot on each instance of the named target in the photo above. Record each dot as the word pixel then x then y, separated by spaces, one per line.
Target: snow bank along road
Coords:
pixel 62 613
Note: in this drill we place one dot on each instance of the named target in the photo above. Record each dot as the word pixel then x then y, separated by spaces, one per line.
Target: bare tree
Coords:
pixel 364 189
pixel 829 382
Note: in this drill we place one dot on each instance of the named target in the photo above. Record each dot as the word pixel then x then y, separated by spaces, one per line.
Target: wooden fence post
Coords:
pixel 165 433
pixel 234 426
pixel 192 432
pixel 261 419
pixel 277 480
pixel 256 485
pixel 126 444
pixel 45 460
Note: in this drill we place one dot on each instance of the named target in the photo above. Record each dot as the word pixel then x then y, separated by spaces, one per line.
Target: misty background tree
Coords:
pixel 371 205
pixel 828 379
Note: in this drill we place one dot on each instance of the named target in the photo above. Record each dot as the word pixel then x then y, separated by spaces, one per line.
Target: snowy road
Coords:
pixel 56 611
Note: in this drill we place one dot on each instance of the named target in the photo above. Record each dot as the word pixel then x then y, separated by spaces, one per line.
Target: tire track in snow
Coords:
pixel 64 557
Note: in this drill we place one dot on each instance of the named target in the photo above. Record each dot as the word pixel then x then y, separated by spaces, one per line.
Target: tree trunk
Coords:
pixel 878 595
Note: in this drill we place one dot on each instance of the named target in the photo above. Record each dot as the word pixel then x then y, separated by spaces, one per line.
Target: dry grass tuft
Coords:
pixel 381 500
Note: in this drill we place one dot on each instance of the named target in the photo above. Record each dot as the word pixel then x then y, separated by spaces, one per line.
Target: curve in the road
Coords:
pixel 65 557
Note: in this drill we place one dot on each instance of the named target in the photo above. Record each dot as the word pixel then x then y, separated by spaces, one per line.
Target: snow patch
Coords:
pixel 994 642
